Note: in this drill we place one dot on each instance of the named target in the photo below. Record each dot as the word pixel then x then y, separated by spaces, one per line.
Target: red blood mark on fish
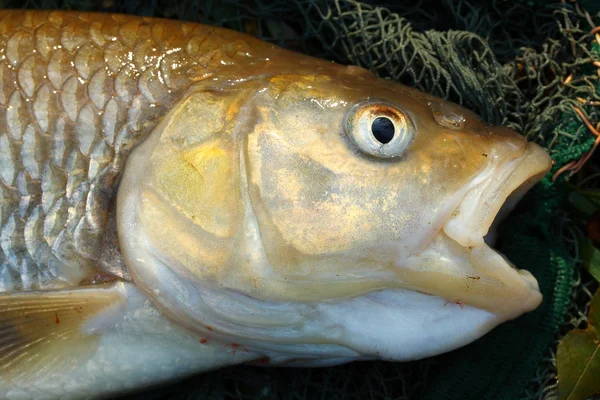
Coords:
pixel 459 303
pixel 261 361
pixel 203 340
pixel 236 346
pixel 57 320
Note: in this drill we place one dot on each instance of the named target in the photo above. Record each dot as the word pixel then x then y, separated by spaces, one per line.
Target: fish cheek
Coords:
pixel 285 189
pixel 313 220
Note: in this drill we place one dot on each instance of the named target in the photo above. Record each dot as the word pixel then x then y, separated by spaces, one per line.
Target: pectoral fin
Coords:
pixel 98 341
pixel 44 331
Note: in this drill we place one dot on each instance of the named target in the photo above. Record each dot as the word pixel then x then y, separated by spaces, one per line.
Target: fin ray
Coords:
pixel 46 329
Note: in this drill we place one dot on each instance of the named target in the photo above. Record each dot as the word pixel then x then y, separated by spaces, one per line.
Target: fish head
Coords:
pixel 269 208
pixel 340 201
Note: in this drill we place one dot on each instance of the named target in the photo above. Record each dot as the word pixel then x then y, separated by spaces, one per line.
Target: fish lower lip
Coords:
pixel 494 263
pixel 518 286
pixel 477 276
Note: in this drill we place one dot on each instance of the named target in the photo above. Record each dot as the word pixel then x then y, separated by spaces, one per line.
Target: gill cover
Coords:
pixel 185 195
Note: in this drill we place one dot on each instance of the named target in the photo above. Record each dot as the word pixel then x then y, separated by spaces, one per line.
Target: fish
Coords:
pixel 177 198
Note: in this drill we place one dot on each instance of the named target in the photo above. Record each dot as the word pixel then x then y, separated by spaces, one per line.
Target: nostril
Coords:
pixel 448 115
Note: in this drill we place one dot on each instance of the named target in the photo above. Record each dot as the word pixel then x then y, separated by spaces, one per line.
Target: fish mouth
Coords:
pixel 503 288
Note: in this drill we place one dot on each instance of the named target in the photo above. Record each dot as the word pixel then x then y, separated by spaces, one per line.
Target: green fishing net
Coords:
pixel 524 65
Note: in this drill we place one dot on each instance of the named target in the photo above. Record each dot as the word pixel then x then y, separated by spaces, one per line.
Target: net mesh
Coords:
pixel 524 65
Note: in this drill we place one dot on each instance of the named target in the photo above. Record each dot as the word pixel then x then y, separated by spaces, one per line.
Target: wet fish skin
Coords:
pixel 77 92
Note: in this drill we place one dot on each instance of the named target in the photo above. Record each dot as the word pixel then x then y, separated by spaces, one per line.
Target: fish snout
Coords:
pixel 465 266
pixel 515 168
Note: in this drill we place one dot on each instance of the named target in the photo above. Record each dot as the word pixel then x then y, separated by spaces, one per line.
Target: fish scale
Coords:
pixel 77 92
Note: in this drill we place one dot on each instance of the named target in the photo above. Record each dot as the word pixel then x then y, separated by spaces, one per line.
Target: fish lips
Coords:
pixel 497 285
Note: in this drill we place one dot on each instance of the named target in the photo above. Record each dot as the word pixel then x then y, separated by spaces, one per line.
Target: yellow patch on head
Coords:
pixel 197 182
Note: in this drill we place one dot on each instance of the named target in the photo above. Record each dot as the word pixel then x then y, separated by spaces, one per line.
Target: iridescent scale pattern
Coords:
pixel 77 92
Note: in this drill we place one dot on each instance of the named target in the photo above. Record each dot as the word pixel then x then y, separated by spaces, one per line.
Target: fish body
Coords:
pixel 177 198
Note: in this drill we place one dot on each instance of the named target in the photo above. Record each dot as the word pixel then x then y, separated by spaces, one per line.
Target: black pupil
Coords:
pixel 383 129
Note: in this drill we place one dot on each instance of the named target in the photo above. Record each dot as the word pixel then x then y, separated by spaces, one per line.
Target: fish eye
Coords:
pixel 379 129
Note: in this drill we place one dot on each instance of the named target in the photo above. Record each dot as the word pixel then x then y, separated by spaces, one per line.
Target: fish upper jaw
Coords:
pixel 500 287
pixel 486 204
